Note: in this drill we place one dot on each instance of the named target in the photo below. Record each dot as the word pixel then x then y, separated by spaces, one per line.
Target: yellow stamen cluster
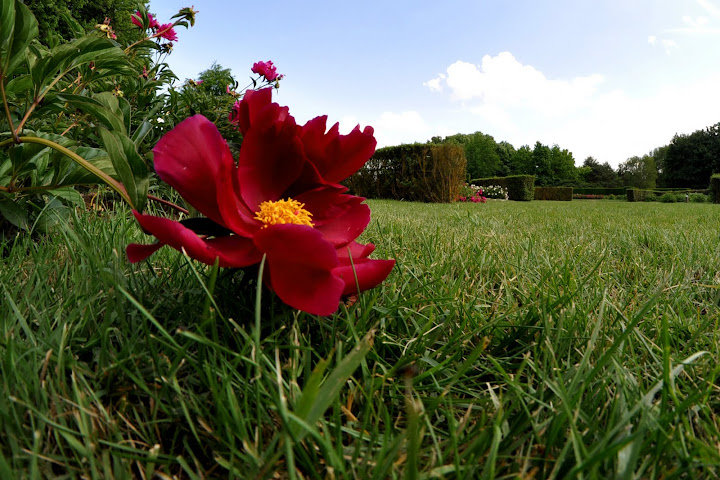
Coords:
pixel 283 211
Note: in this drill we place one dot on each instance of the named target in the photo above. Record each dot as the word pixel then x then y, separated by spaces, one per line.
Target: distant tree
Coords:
pixel 480 151
pixel 659 154
pixel 638 172
pixel 215 80
pixel 522 163
pixel 562 167
pixel 600 174
pixel 690 160
pixel 542 160
pixel 505 153
pixel 53 23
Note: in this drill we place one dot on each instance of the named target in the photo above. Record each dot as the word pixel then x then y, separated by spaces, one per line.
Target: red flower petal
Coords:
pixel 189 158
pixel 233 250
pixel 301 267
pixel 253 103
pixel 137 252
pixel 271 158
pixel 363 274
pixel 356 250
pixel 336 156
pixel 341 218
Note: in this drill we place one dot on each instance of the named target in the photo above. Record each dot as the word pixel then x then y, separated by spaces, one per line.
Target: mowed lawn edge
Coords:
pixel 535 339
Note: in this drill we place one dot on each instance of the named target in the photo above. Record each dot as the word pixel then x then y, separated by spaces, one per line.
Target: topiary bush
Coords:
pixel 715 188
pixel 668 198
pixel 417 172
pixel 698 198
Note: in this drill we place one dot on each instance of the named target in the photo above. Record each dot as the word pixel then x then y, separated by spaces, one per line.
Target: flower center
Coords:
pixel 283 211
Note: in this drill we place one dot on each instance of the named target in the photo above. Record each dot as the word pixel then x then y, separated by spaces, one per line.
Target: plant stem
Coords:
pixel 167 203
pixel 112 183
pixel 7 108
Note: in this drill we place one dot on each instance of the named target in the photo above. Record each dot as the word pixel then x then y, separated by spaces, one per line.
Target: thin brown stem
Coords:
pixel 167 203
pixel 7 108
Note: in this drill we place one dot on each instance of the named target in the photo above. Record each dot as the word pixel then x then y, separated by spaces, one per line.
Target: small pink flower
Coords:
pixel 167 32
pixel 199 82
pixel 267 70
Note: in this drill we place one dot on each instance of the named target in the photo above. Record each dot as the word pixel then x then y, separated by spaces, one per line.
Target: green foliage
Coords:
pixel 417 172
pixel 639 172
pixel 715 188
pixel 599 191
pixel 699 198
pixel 81 112
pixel 598 175
pixel 691 159
pixel 62 20
pixel 519 187
pixel 481 153
pixel 668 198
pixel 554 193
pixel 207 96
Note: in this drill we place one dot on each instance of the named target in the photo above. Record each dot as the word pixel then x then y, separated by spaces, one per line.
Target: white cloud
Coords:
pixel 435 84
pixel 502 80
pixel 710 7
pixel 669 45
pixel 652 40
pixel 519 104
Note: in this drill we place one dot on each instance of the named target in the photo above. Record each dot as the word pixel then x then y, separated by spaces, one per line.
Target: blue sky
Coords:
pixel 607 78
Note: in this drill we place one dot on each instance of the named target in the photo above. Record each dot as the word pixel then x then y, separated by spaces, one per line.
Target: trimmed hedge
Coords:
pixel 715 188
pixel 599 191
pixel 519 187
pixel 417 172
pixel 563 194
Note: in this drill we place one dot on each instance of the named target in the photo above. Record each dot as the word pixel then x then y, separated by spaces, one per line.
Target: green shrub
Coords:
pixel 698 198
pixel 599 191
pixel 519 187
pixel 418 172
pixel 668 198
pixel 715 188
pixel 564 194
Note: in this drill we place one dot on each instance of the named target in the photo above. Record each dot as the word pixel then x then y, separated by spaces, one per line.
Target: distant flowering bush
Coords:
pixel 471 193
pixel 281 202
pixel 495 192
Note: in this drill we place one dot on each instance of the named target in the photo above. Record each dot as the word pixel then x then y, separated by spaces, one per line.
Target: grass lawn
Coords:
pixel 512 340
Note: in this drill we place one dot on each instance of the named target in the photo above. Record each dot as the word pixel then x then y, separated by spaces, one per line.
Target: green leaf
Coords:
pixel 102 108
pixel 17 28
pixel 141 132
pixel 67 56
pixel 69 195
pixel 74 174
pixel 128 164
pixel 14 213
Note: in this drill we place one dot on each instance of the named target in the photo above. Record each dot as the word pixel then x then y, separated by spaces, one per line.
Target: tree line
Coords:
pixel 687 161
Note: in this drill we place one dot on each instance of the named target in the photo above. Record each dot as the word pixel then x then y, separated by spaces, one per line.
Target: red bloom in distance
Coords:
pixel 267 70
pixel 281 201
pixel 167 32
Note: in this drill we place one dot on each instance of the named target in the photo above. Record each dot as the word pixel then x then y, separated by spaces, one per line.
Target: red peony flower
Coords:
pixel 167 32
pixel 267 70
pixel 281 200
